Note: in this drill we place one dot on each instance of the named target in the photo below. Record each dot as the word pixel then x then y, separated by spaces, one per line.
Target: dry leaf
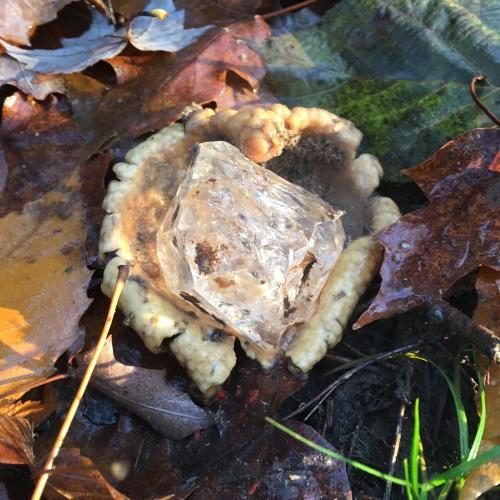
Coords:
pixel 168 34
pixel 487 313
pixel 77 477
pixel 41 147
pixel 147 393
pixel 38 85
pixel 426 251
pixel 44 282
pixel 166 85
pixel 16 440
pixel 101 41
pixel 19 18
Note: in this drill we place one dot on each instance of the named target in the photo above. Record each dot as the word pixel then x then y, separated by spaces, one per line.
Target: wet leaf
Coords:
pixel 168 34
pixel 76 476
pixel 398 69
pixel 272 464
pixel 41 148
pixel 19 18
pixel 36 84
pixel 428 250
pixel 147 393
pixel 44 283
pixel 487 313
pixel 101 41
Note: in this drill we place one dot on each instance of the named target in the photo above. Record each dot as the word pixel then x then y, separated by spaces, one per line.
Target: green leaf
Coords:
pixel 399 69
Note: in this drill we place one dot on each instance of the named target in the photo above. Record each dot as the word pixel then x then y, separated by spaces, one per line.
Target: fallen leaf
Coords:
pixel 128 8
pixel 487 313
pixel 16 440
pixel 101 41
pixel 399 69
pixel 168 34
pixel 428 250
pixel 19 18
pixel 41 146
pixel 246 457
pixel 146 393
pixel 166 86
pixel 34 411
pixel 36 84
pixel 217 11
pixel 76 476
pixel 44 283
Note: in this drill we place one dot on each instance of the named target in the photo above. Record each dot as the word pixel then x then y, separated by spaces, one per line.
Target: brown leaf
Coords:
pixel 101 41
pixel 36 84
pixel 217 11
pixel 273 464
pixel 147 393
pixel 19 18
pixel 34 411
pixel 487 313
pixel 77 477
pixel 44 282
pixel 41 147
pixel 16 440
pixel 426 251
pixel 166 84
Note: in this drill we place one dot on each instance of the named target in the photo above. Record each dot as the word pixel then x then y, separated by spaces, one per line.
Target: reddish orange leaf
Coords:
pixel 426 251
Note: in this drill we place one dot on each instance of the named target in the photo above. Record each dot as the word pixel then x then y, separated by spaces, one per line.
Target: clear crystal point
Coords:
pixel 247 246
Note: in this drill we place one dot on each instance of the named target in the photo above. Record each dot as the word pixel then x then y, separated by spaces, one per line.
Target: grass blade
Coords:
pixel 337 456
pixel 474 449
pixel 414 452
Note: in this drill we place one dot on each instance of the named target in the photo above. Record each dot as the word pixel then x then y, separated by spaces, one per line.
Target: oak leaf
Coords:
pixel 18 18
pixel 146 393
pixel 428 250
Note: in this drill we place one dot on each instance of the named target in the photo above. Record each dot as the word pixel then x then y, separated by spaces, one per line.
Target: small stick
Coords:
pixel 297 6
pixel 319 398
pixel 48 468
pixel 440 312
pixel 480 104
pixel 399 429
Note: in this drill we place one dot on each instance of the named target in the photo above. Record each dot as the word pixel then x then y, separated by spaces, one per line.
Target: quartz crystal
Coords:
pixel 246 246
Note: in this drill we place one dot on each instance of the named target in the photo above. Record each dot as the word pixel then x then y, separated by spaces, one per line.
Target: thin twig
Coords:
pixel 319 398
pixel 399 429
pixel 32 385
pixel 480 104
pixel 292 8
pixel 485 340
pixel 48 467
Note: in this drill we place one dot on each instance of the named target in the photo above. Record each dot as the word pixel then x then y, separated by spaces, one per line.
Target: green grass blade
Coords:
pixel 414 452
pixel 474 449
pixel 409 492
pixel 337 456
pixel 443 494
pixel 463 468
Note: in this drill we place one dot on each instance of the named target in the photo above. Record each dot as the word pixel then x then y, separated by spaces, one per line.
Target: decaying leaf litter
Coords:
pixel 402 79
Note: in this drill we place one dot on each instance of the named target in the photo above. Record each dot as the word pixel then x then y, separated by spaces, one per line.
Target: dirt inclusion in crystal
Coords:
pixel 245 245
pixel 221 249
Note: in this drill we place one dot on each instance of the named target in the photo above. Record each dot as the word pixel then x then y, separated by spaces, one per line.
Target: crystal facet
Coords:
pixel 247 246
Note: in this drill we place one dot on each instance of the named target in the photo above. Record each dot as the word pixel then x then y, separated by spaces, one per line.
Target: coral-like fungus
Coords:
pixel 199 322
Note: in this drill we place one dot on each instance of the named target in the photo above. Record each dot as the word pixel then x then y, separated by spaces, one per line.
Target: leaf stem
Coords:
pixel 480 104
pixel 48 468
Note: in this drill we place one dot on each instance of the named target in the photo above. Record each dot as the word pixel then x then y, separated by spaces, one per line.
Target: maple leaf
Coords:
pixel 428 250
pixel 44 282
